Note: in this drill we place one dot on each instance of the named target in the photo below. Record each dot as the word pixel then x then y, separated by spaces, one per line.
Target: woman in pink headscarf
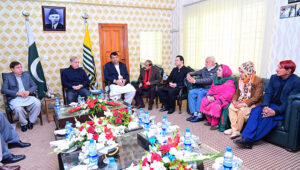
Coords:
pixel 218 96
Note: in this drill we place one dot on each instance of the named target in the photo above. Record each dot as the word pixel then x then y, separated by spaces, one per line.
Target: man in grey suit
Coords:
pixel 9 135
pixel 18 86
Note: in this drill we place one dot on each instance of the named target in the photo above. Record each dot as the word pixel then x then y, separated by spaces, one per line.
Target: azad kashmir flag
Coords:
pixel 34 65
pixel 88 58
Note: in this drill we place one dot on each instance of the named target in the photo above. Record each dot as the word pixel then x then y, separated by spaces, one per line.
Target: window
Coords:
pixel 231 30
pixel 151 47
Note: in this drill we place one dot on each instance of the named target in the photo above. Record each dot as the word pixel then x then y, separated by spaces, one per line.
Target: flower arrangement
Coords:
pixel 170 156
pixel 119 117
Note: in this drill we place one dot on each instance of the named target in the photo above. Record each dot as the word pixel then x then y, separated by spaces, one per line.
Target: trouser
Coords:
pixel 258 126
pixel 7 134
pixel 194 97
pixel 138 95
pixel 167 96
pixel 212 120
pixel 72 94
pixel 238 116
pixel 34 111
pixel 116 92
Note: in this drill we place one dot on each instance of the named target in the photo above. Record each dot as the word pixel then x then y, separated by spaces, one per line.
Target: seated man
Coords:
pixel 206 77
pixel 148 79
pixel 116 73
pixel 8 135
pixel 76 80
pixel 263 118
pixel 167 95
pixel 19 87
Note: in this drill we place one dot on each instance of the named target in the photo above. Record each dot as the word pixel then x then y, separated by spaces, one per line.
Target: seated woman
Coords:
pixel 218 96
pixel 265 117
pixel 248 95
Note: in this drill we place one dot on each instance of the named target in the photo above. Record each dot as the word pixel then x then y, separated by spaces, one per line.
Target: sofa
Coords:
pixel 287 131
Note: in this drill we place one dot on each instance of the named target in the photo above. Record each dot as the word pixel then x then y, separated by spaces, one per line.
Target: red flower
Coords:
pixel 100 122
pixel 91 129
pixel 121 116
pixel 74 109
pixel 123 110
pixel 118 121
pixel 90 122
pixel 145 161
pixel 95 136
pixel 130 119
pixel 81 128
pixel 115 114
pixel 103 107
pixel 155 157
pixel 112 103
pixel 109 135
pixel 165 148
pixel 91 104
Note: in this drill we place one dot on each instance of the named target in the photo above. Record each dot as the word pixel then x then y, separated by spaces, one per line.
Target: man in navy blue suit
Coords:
pixel 116 73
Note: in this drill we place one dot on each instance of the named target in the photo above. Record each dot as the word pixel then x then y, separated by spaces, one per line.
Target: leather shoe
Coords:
pixel 197 119
pixel 171 111
pixel 24 128
pixel 190 118
pixel 140 106
pixel 15 167
pixel 18 144
pixel 30 125
pixel 163 109
pixel 13 159
pixel 243 143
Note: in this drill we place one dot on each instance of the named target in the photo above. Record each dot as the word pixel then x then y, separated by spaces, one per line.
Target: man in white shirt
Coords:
pixel 116 73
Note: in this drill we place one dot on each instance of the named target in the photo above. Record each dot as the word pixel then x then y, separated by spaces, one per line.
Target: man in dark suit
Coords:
pixel 19 89
pixel 116 73
pixel 54 18
pixel 148 79
pixel 75 80
pixel 167 95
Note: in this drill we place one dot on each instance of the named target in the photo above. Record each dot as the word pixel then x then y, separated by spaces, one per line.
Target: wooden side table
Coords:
pixel 47 102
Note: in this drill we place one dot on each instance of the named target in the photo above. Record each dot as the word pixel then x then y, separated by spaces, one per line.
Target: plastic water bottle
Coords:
pixel 146 121
pixel 57 105
pixel 188 140
pixel 164 126
pixel 129 109
pixel 79 100
pixel 165 76
pixel 93 155
pixel 228 159
pixel 112 165
pixel 141 116
pixel 68 128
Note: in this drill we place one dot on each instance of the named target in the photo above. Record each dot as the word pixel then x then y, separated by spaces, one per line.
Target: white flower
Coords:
pixel 173 151
pixel 89 136
pixel 157 165
pixel 83 132
pixel 166 159
pixel 108 113
pixel 78 124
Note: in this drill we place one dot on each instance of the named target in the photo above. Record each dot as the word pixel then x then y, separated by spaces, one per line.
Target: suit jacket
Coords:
pixel 154 76
pixel 58 27
pixel 257 92
pixel 291 87
pixel 111 74
pixel 11 87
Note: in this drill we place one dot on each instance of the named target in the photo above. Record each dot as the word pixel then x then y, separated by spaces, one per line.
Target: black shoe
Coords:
pixel 163 109
pixel 13 159
pixel 18 144
pixel 24 128
pixel 244 143
pixel 30 125
pixel 196 119
pixel 190 118
pixel 171 111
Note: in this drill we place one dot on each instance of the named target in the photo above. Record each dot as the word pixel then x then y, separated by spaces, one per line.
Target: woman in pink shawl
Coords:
pixel 218 96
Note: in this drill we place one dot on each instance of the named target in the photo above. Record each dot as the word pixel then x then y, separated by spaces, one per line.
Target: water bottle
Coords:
pixel 188 140
pixel 141 115
pixel 165 76
pixel 129 109
pixel 68 128
pixel 146 121
pixel 57 105
pixel 164 126
pixel 112 165
pixel 228 159
pixel 79 100
pixel 93 155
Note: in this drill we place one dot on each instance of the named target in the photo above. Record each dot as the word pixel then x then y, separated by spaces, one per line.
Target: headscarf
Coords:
pixel 246 84
pixel 226 73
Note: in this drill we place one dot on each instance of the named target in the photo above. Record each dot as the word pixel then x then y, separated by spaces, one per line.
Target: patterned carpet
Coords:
pixel 263 155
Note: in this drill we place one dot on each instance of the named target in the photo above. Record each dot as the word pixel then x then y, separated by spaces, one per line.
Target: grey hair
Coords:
pixel 149 62
pixel 211 58
pixel 73 58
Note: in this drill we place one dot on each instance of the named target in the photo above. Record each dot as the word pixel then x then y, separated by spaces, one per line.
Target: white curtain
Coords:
pixel 231 30
pixel 151 47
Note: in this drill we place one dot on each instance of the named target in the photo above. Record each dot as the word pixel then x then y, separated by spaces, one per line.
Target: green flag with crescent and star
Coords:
pixel 34 65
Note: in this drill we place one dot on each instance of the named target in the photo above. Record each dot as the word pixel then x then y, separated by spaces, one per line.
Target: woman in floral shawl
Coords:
pixel 218 96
